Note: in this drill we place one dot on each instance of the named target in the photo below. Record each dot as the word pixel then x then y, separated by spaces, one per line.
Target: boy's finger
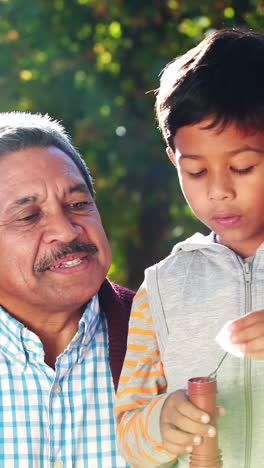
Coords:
pixel 181 403
pixel 248 334
pixel 247 320
pixel 179 413
pixel 254 348
pixel 179 421
pixel 173 435
pixel 176 449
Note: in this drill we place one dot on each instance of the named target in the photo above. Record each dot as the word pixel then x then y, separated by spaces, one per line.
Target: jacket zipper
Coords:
pixel 247 371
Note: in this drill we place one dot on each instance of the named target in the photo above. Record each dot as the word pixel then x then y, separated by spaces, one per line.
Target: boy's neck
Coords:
pixel 246 250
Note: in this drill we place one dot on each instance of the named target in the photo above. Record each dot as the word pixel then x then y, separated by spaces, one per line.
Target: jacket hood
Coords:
pixel 196 242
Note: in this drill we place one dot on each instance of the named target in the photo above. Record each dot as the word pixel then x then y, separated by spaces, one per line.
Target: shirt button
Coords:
pixel 31 345
pixel 58 464
pixel 19 356
pixel 57 389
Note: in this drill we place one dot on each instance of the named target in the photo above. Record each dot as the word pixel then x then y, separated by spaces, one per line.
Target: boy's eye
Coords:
pixel 197 174
pixel 243 171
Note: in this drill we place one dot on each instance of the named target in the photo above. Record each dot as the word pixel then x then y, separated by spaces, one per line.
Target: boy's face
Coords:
pixel 222 178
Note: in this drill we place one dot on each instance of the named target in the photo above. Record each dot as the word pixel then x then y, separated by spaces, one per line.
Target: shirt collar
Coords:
pixel 18 343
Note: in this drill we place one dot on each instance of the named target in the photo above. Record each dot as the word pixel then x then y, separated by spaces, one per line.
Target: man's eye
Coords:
pixel 31 217
pixel 79 205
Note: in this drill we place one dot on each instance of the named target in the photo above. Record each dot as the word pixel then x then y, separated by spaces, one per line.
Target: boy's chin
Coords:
pixel 245 247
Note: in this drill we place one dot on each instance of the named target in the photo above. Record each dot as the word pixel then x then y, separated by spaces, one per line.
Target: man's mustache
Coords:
pixel 64 249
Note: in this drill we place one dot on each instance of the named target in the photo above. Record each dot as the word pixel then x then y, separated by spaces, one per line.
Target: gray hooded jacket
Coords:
pixel 193 293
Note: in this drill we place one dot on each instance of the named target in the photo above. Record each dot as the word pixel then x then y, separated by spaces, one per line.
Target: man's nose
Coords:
pixel 60 227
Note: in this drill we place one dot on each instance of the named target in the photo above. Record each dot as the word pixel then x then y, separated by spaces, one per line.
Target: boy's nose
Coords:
pixel 220 188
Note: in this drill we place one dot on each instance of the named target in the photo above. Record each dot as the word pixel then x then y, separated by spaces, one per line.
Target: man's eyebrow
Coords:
pixel 22 201
pixel 26 199
pixel 79 188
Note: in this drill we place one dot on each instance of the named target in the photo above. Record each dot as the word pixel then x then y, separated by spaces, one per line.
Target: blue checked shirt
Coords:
pixel 60 418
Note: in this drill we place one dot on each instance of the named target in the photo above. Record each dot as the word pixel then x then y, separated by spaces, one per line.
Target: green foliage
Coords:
pixel 90 63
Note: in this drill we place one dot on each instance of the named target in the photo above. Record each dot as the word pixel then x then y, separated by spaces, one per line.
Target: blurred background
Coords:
pixel 91 65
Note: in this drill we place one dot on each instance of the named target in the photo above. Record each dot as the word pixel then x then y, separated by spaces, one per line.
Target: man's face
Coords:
pixel 47 219
pixel 222 178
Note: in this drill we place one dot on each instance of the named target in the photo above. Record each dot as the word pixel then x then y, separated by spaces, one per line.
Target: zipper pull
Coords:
pixel 247 271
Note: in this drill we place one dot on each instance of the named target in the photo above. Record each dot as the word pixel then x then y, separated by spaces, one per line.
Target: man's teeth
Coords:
pixel 69 264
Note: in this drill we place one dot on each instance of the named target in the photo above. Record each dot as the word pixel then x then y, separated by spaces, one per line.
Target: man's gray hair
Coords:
pixel 21 130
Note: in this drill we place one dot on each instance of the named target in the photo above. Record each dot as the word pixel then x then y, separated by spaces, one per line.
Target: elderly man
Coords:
pixel 63 325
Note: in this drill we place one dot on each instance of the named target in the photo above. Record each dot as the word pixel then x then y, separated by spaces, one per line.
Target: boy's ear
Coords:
pixel 171 155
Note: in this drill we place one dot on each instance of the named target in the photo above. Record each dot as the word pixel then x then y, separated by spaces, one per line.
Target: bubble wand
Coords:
pixel 202 393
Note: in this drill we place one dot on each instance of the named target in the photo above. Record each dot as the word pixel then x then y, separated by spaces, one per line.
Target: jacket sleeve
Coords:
pixel 141 391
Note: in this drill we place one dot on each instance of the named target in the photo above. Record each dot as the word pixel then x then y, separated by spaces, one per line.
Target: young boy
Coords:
pixel 210 107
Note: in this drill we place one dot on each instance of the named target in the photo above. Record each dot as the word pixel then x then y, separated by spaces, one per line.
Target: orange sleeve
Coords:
pixel 141 391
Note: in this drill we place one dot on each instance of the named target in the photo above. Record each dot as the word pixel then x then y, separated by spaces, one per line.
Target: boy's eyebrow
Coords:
pixel 233 152
pixel 245 148
pixel 190 156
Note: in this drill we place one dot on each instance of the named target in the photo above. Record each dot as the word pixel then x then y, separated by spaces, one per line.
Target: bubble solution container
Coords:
pixel 202 393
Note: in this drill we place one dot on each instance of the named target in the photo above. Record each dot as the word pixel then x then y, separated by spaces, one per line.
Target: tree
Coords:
pixel 91 63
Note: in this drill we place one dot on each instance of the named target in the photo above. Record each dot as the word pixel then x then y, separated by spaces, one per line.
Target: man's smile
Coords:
pixel 68 261
pixel 66 256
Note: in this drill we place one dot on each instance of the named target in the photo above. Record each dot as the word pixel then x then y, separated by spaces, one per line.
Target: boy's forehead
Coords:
pixel 192 140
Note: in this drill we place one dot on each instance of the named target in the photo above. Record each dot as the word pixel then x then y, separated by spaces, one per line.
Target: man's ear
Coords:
pixel 171 155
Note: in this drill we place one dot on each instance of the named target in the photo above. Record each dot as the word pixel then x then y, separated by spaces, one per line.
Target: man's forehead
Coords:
pixel 52 154
pixel 33 173
pixel 40 162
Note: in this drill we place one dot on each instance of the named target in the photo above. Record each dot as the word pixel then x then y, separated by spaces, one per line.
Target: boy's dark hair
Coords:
pixel 222 77
pixel 21 130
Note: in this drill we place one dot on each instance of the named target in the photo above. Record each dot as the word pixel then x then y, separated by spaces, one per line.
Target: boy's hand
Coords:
pixel 248 333
pixel 183 425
